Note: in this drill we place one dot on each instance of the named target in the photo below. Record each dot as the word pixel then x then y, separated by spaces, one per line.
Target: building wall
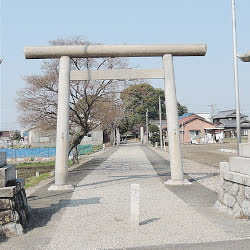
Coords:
pixel 94 137
pixel 195 125
pixel 37 138
pixel 206 116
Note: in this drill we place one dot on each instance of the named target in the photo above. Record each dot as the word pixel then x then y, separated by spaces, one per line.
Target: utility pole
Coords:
pixel 212 106
pixel 160 122
pixel 236 83
pixel 147 126
pixel 182 132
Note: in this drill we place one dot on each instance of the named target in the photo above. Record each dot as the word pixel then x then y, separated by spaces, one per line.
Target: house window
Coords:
pixel 194 133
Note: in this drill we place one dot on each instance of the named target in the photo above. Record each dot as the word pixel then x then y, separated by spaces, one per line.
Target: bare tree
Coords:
pixel 92 103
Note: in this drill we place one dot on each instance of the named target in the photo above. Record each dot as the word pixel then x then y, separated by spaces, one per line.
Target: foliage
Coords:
pixel 15 136
pixel 155 138
pixel 136 100
pixel 92 103
pixel 97 148
pixel 32 181
pixel 181 109
pixel 155 133
pixel 153 128
pixel 35 164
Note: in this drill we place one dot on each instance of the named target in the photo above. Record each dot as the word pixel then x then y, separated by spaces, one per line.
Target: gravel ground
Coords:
pixel 100 209
pixel 208 154
pixel 97 214
pixel 201 162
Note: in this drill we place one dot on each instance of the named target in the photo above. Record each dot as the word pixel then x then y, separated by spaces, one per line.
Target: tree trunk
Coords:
pixel 75 139
pixel 75 159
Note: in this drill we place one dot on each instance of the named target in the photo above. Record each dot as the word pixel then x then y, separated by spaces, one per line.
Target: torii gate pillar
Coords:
pixel 172 124
pixel 62 134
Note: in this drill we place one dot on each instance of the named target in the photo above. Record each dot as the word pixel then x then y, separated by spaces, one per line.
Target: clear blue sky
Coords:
pixel 200 80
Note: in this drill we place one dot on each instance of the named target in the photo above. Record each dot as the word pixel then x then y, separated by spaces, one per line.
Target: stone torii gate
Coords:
pixel 96 51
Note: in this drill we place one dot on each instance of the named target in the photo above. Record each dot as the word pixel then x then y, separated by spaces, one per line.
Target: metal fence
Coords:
pixel 84 149
pixel 28 152
pixel 40 152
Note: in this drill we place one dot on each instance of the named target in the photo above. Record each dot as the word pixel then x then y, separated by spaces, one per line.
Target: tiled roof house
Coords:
pixel 227 120
pixel 196 128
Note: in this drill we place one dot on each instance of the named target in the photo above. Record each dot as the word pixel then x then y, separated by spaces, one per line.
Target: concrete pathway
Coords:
pixel 97 214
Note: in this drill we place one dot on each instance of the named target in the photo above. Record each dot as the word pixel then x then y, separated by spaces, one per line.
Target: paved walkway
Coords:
pixel 97 214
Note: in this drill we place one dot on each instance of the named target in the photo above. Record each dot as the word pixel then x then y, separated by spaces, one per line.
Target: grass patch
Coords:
pixel 36 164
pixel 32 181
pixel 97 148
pixel 29 169
pixel 234 140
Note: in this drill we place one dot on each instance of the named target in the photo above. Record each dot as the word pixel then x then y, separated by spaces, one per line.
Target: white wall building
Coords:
pixel 206 116
pixel 94 137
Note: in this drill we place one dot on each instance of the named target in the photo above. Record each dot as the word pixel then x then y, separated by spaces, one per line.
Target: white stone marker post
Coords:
pixel 147 126
pixel 164 143
pixel 62 136
pixel 172 124
pixel 142 134
pixel 134 212
pixel 118 137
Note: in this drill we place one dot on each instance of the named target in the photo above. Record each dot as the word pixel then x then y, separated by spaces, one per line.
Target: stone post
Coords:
pixel 172 124
pixel 62 137
pixel 164 143
pixel 118 137
pixel 147 126
pixel 135 206
pixel 142 134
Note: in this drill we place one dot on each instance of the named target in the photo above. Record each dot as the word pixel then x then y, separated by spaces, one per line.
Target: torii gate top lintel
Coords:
pixel 96 51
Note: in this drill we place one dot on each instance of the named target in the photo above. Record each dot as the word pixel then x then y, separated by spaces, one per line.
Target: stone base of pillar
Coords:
pixel 177 183
pixel 61 187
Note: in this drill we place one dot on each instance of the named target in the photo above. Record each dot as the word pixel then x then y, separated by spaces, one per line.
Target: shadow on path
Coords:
pixel 46 203
pixel 193 195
